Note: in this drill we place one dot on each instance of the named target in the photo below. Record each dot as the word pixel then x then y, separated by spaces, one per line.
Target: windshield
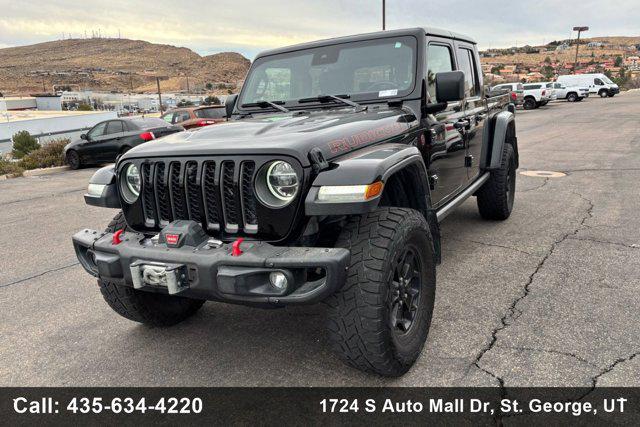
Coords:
pixel 606 80
pixel 364 70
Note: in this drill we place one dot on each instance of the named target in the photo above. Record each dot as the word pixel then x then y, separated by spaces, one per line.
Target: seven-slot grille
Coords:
pixel 216 193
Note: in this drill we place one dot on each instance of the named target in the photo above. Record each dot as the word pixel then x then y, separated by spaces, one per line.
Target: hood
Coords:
pixel 334 132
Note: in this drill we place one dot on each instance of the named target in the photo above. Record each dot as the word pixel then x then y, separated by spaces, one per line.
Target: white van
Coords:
pixel 597 83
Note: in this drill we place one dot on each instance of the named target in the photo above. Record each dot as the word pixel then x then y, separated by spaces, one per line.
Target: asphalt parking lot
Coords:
pixel 549 297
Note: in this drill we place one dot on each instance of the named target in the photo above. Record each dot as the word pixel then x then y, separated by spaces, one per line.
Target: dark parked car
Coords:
pixel 342 158
pixel 195 117
pixel 108 139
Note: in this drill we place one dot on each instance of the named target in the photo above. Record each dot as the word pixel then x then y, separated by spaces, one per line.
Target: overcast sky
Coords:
pixel 249 26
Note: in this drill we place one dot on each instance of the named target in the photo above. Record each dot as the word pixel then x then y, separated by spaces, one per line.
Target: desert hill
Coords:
pixel 116 64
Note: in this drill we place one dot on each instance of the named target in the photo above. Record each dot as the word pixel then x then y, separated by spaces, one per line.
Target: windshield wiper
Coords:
pixel 340 98
pixel 265 104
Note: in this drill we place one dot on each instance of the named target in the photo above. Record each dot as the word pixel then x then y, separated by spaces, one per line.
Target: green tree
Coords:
pixel 83 106
pixel 547 60
pixel 23 144
pixel 184 103
pixel 618 61
pixel 209 86
pixel 496 69
pixel 547 71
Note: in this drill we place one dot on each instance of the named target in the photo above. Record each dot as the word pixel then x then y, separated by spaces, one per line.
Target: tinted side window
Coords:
pixel 114 126
pixel 438 61
pixel 466 65
pixel 97 130
pixel 210 113
pixel 598 82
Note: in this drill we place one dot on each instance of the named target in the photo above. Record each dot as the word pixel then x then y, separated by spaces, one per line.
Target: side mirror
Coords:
pixel 229 104
pixel 450 86
pixel 84 136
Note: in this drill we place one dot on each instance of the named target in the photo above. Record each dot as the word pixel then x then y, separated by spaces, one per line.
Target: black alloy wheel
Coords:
pixel 405 286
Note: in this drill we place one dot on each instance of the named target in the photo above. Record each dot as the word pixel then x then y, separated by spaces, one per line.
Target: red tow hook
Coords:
pixel 116 237
pixel 235 247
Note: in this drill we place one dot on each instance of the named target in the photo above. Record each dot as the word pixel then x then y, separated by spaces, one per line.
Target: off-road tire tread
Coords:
pixel 358 331
pixel 491 198
pixel 145 307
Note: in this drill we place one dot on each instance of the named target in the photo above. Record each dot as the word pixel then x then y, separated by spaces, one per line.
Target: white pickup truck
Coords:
pixel 570 93
pixel 536 95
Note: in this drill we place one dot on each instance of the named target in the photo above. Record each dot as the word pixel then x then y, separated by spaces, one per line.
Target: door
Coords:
pixel 474 109
pixel 445 151
pixel 91 149
pixel 112 140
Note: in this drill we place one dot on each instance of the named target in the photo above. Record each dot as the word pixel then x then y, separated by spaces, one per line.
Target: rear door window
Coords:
pixel 439 59
pixel 114 126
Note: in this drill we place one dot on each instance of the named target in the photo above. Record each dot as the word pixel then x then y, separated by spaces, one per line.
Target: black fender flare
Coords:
pixel 365 167
pixel 377 163
pixel 108 196
pixel 495 135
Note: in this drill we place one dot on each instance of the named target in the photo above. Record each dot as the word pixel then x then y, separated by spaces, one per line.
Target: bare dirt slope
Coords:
pixel 114 64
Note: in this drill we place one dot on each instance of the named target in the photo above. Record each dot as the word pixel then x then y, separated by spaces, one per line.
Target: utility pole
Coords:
pixel 188 89
pixel 384 26
pixel 579 30
pixel 159 95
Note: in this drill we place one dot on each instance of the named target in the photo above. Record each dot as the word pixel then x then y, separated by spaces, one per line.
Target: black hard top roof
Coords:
pixel 368 36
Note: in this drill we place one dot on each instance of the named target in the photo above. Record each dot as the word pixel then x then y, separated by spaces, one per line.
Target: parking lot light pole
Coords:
pixel 579 30
pixel 159 95
pixel 383 15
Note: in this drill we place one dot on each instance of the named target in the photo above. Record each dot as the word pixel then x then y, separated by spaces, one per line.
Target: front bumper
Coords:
pixel 208 270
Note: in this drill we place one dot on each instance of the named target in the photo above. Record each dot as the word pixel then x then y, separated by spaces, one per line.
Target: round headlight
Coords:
pixel 131 180
pixel 277 184
pixel 282 180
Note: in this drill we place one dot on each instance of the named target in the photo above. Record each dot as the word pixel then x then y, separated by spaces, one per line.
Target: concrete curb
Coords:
pixel 46 171
pixel 38 172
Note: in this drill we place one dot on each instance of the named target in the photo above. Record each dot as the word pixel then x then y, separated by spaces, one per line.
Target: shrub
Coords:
pixel 10 168
pixel 23 144
pixel 83 106
pixel 49 155
pixel 212 100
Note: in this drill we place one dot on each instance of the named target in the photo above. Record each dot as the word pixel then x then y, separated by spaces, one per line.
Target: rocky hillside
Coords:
pixel 116 64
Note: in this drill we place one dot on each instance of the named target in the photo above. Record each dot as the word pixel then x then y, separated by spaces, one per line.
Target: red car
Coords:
pixel 194 117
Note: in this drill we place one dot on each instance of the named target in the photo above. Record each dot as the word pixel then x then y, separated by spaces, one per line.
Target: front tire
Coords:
pixel 496 197
pixel 572 97
pixel 378 322
pixel 149 308
pixel 73 159
pixel 603 93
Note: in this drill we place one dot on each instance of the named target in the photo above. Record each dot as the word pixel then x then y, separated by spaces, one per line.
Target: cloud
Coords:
pixel 249 26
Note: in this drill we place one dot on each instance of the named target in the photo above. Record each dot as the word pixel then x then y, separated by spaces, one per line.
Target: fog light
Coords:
pixel 278 280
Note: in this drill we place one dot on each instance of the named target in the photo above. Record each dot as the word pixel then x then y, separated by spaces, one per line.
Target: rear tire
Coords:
pixel 496 197
pixel 529 104
pixel 73 159
pixel 379 321
pixel 150 308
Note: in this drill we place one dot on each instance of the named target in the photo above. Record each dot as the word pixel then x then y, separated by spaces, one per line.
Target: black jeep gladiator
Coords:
pixel 328 185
